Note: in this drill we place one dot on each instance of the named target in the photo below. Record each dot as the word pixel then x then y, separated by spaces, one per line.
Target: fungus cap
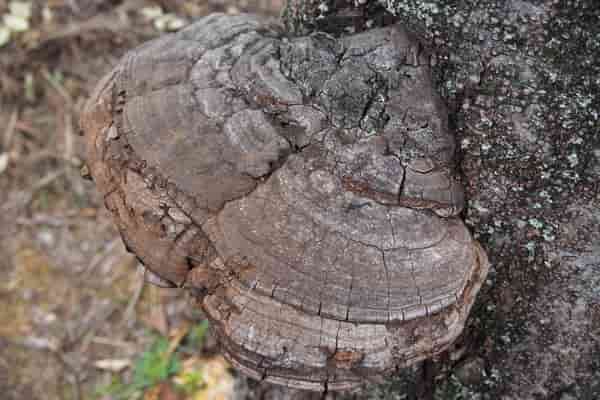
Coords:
pixel 302 188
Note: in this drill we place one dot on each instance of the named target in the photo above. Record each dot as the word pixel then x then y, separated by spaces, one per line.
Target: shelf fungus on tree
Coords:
pixel 302 188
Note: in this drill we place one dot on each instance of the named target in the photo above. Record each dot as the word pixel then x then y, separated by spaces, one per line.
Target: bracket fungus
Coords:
pixel 302 188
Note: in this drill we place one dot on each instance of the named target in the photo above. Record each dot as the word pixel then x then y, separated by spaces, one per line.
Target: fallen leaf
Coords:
pixel 151 13
pixel 216 381
pixel 88 212
pixel 3 156
pixel 47 14
pixel 20 9
pixel 169 22
pixel 15 23
pixel 163 391
pixel 113 365
pixel 4 35
pixel 41 343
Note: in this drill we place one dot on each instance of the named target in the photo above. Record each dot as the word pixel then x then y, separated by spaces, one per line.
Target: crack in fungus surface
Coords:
pixel 302 189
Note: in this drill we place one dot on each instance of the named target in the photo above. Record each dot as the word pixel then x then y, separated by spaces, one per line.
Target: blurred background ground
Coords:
pixel 76 321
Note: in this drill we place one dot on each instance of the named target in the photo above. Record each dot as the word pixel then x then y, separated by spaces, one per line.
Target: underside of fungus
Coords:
pixel 302 189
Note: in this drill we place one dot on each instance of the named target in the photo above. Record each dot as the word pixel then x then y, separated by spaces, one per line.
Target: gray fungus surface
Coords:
pixel 302 188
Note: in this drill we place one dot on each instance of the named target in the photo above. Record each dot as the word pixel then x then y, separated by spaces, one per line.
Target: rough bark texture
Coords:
pixel 303 188
pixel 521 78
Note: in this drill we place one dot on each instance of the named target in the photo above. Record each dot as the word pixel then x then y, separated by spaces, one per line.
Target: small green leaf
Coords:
pixel 198 333
pixel 154 365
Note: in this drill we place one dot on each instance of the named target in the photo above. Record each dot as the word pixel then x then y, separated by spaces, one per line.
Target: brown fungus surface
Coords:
pixel 303 188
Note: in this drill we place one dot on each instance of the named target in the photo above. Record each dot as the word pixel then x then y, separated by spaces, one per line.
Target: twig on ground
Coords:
pixel 105 22
pixel 47 180
pixel 49 346
pixel 99 258
pixel 94 318
pixel 67 114
pixel 74 6
pixel 73 370
pixel 68 133
pixel 177 338
pixel 112 364
pixel 49 220
pixel 68 218
pixel 114 343
pixel 40 343
pixel 35 134
pixel 46 154
pixel 58 87
pixel 129 314
pixel 23 199
pixel 10 130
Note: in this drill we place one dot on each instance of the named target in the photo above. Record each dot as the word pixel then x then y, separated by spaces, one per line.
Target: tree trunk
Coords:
pixel 520 79
pixel 301 17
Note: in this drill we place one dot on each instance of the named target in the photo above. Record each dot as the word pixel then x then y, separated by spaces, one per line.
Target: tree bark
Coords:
pixel 519 78
pixel 514 73
pixel 300 17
